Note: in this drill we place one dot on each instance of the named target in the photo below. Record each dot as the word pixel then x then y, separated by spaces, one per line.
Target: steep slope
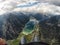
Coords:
pixel 13 25
pixel 49 32
pixel 50 29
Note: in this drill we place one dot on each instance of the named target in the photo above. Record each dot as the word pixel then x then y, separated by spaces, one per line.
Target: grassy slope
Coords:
pixel 16 41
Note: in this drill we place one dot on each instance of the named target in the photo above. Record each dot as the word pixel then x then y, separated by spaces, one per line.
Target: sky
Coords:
pixel 41 6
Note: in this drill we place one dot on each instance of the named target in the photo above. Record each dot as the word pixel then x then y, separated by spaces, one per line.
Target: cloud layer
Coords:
pixel 41 6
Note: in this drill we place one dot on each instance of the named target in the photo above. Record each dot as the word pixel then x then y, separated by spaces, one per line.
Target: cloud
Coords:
pixel 41 6
pixel 10 5
pixel 55 2
pixel 44 8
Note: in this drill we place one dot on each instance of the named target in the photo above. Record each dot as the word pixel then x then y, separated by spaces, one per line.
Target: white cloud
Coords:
pixel 10 5
pixel 42 7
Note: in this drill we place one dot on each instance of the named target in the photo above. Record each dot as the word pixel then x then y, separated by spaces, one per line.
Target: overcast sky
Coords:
pixel 53 6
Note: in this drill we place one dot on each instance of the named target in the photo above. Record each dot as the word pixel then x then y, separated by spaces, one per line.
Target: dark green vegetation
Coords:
pixel 12 24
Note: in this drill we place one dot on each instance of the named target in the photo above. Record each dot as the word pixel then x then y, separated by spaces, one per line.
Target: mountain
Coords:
pixel 11 24
pixel 50 29
pixel 49 26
